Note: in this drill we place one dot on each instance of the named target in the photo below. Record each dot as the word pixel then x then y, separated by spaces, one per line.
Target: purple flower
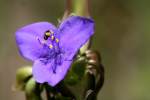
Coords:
pixel 52 49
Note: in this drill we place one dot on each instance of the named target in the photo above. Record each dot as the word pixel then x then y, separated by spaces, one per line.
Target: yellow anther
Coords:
pixel 50 46
pixel 57 40
pixel 47 33
pixel 52 37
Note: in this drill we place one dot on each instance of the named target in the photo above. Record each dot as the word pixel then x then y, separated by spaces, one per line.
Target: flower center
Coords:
pixel 49 39
pixel 50 34
pixel 53 51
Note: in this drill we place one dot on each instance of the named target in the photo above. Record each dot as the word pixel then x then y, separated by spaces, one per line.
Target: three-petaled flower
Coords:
pixel 52 49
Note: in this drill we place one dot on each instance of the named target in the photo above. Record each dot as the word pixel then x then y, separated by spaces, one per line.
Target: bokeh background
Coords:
pixel 122 36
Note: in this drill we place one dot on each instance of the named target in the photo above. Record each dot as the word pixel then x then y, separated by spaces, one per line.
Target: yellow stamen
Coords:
pixel 50 46
pixel 57 40
pixel 47 33
pixel 52 37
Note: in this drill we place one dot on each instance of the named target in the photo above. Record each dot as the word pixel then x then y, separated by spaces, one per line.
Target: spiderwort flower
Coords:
pixel 52 49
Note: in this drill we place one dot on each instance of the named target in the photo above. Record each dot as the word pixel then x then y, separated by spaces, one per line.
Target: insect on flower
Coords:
pixel 52 49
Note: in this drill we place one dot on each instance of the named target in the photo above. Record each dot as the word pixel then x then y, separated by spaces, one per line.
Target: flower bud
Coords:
pixel 22 76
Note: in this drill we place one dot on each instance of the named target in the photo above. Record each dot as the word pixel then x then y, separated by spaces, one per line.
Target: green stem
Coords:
pixel 50 92
pixel 64 90
pixel 67 9
pixel 90 87
pixel 81 7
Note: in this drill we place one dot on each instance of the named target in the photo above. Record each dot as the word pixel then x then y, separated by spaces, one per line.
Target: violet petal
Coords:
pixel 44 73
pixel 74 32
pixel 27 39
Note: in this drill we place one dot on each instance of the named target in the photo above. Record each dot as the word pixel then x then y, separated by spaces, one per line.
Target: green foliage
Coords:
pixel 76 72
pixel 22 76
pixel 32 90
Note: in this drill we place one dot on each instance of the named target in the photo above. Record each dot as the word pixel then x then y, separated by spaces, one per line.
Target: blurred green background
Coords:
pixel 122 36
